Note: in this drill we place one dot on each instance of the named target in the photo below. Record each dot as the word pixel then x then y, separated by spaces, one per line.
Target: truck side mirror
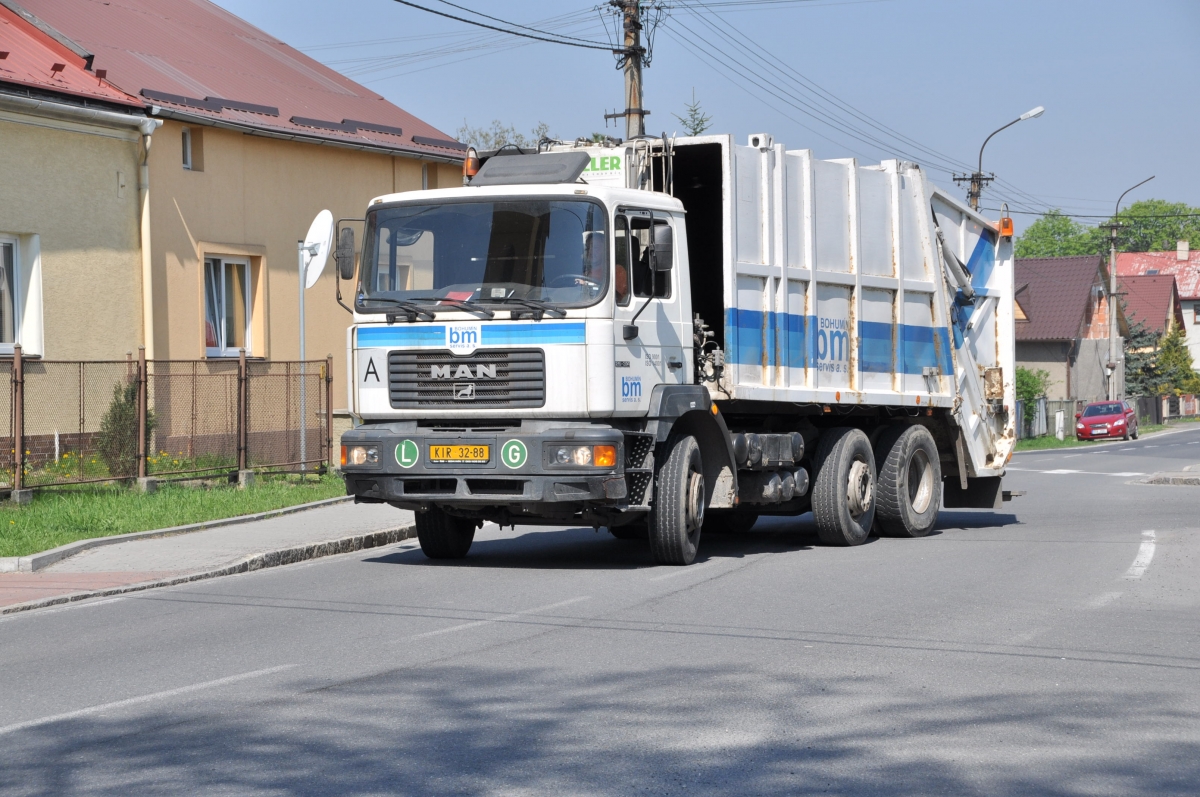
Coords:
pixel 345 253
pixel 662 248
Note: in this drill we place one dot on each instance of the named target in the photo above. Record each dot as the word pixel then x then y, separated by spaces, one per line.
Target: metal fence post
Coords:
pixel 18 379
pixel 142 413
pixel 243 410
pixel 329 410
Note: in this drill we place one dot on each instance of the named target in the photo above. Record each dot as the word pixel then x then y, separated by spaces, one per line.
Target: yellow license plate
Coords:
pixel 460 453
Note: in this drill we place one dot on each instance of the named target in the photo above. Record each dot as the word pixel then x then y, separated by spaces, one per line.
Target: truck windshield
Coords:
pixel 543 250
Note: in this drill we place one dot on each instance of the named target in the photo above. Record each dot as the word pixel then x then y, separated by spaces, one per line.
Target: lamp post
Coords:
pixel 978 180
pixel 1112 294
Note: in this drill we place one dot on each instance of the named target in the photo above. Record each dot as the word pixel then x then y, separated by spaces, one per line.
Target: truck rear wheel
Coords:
pixel 677 513
pixel 910 483
pixel 843 496
pixel 444 536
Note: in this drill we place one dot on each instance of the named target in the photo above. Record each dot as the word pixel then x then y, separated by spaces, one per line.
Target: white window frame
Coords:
pixel 15 242
pixel 221 350
pixel 187 148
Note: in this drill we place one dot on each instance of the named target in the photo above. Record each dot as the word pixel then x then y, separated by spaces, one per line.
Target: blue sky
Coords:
pixel 1118 80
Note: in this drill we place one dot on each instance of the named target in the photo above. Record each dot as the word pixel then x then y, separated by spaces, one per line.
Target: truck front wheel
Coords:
pixel 677 513
pixel 444 536
pixel 843 496
pixel 910 483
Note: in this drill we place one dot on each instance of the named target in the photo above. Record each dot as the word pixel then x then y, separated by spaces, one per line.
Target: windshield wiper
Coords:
pixel 537 308
pixel 411 311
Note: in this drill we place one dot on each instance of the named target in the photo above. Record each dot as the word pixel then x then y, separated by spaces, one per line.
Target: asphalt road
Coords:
pixel 1047 649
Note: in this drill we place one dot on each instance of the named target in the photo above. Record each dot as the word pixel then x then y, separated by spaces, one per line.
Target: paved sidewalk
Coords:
pixel 244 546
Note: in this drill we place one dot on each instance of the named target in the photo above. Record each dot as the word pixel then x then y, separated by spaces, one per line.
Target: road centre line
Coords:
pixel 1063 472
pixel 1144 555
pixel 502 619
pixel 133 701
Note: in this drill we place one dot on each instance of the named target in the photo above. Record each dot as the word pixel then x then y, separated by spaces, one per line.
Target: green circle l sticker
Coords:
pixel 513 454
pixel 407 454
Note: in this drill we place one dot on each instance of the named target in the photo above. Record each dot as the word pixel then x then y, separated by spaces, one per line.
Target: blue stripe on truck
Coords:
pixel 764 339
pixel 536 334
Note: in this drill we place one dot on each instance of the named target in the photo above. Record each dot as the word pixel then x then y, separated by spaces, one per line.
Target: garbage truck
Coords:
pixel 668 336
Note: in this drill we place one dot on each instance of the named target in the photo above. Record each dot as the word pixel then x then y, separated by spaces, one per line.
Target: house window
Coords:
pixel 9 307
pixel 187 148
pixel 226 306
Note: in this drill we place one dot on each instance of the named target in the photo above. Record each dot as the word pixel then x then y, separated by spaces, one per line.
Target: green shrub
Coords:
pixel 1031 386
pixel 117 441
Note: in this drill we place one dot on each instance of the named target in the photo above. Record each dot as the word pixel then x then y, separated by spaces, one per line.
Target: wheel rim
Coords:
pixel 695 502
pixel 858 488
pixel 920 482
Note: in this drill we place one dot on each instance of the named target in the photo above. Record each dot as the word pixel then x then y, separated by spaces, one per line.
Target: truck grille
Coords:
pixel 487 378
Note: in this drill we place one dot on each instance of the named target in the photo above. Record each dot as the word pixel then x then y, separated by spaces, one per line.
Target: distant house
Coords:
pixel 1184 265
pixel 244 139
pixel 1152 300
pixel 1061 319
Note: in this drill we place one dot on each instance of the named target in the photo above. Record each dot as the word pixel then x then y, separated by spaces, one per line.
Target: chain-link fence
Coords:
pixel 79 422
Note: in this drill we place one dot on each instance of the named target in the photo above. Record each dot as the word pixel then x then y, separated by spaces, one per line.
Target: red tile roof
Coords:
pixel 1186 272
pixel 1054 293
pixel 195 60
pixel 33 59
pixel 1151 300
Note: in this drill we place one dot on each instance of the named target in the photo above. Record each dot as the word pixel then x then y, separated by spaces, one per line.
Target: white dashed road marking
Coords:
pixel 1145 554
pixel 503 619
pixel 1065 471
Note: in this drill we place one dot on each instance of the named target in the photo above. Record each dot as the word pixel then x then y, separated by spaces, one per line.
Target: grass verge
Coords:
pixel 1050 441
pixel 56 518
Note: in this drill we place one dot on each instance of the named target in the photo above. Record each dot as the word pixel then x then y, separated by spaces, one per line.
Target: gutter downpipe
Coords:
pixel 147 127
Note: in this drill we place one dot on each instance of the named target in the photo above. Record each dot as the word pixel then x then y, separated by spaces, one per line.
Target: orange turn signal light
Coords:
pixel 604 456
pixel 343 455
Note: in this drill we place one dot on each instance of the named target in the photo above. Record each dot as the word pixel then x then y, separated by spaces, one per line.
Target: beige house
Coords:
pixel 244 141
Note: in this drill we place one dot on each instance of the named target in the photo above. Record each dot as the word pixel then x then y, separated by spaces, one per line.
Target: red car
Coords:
pixel 1106 419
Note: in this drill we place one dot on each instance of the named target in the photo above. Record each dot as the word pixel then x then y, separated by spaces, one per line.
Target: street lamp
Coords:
pixel 1112 294
pixel 978 180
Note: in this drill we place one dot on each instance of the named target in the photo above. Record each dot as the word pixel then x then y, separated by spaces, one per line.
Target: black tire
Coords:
pixel 1136 432
pixel 909 489
pixel 444 536
pixel 730 522
pixel 677 514
pixel 844 455
pixel 630 531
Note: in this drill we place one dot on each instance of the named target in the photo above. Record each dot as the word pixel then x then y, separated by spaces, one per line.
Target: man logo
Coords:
pixel 464 392
pixel 462 372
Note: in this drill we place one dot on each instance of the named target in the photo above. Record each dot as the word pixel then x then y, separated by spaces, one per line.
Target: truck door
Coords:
pixel 649 299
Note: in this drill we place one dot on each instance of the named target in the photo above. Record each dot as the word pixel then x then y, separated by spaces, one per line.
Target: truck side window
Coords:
pixel 645 282
pixel 621 248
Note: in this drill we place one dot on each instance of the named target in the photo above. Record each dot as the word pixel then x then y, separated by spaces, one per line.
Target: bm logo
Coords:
pixel 631 389
pixel 832 343
pixel 463 338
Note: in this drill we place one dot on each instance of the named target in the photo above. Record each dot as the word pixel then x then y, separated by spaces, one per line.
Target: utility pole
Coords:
pixel 633 55
pixel 1113 328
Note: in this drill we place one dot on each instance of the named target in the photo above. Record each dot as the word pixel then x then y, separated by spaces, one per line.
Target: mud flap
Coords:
pixel 984 492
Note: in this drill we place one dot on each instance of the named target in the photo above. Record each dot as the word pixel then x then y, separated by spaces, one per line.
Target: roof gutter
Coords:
pixel 183 116
pixel 75 113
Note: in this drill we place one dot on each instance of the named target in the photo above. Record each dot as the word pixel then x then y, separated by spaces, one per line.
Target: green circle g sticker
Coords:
pixel 513 454
pixel 407 454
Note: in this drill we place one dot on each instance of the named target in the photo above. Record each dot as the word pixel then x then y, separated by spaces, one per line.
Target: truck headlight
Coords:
pixel 599 456
pixel 360 455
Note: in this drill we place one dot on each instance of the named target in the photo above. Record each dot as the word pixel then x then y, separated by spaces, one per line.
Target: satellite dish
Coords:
pixel 316 247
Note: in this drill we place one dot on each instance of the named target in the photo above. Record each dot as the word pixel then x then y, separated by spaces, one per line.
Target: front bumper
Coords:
pixel 1101 434
pixel 520 472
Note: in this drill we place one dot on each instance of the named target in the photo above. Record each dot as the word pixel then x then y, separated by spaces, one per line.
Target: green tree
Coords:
pixel 1151 225
pixel 1031 386
pixel 696 121
pixel 1175 372
pixel 1141 360
pixel 117 440
pixel 498 135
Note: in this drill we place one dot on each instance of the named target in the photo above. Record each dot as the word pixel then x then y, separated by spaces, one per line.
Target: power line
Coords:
pixel 514 24
pixel 589 46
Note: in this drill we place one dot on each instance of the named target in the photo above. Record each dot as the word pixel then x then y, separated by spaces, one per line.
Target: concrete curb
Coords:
pixel 38 561
pixel 258 561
